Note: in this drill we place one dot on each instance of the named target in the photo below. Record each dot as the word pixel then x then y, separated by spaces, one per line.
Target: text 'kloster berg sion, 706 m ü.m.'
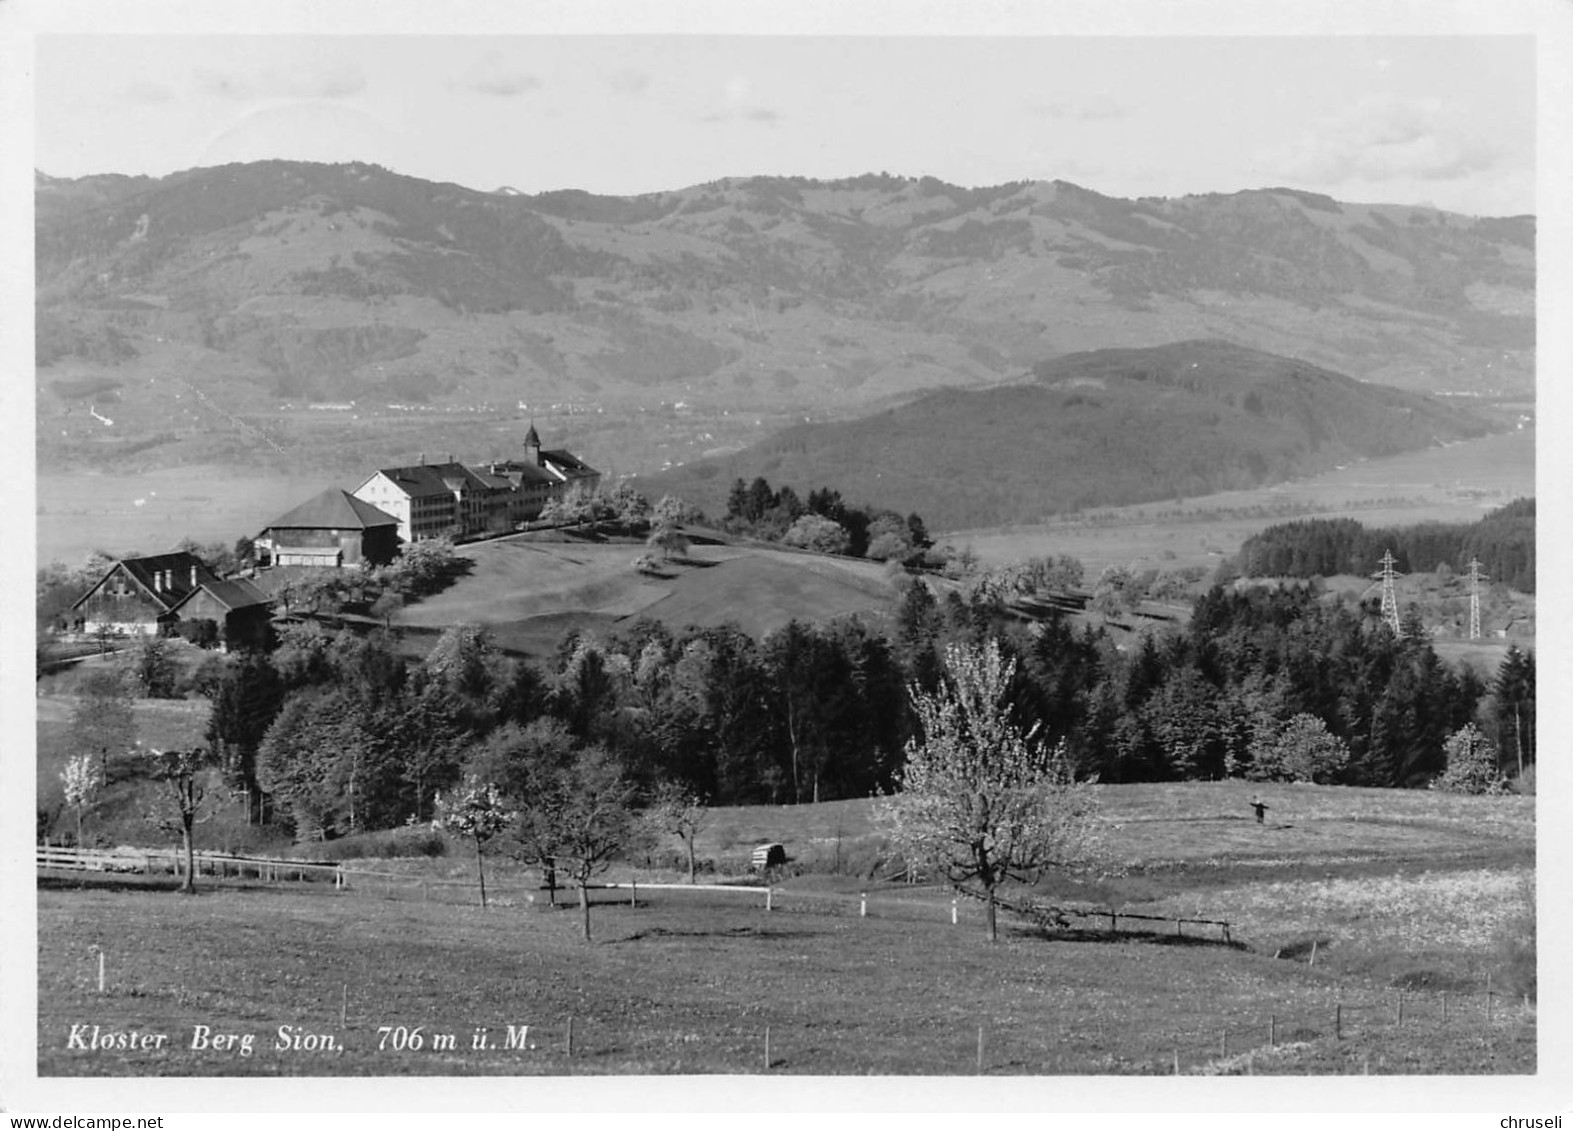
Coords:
pixel 293 1039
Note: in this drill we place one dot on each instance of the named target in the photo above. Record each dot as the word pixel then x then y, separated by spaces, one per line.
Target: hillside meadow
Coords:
pixel 529 590
pixel 1400 892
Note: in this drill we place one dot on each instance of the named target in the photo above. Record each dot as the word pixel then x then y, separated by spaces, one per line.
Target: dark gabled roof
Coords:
pixel 237 593
pixel 493 480
pixel 422 479
pixel 333 509
pixel 145 572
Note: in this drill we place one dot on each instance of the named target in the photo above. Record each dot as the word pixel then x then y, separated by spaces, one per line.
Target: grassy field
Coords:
pixel 1399 891
pixel 529 591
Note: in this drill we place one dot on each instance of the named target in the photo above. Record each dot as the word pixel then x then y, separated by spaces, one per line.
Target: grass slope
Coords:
pixel 1399 891
pixel 529 591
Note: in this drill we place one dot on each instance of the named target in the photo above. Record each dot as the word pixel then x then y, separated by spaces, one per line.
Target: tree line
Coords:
pixel 1503 542
pixel 338 732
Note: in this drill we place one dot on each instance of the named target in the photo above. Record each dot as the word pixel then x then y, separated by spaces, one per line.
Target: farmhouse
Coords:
pixel 151 595
pixel 430 500
pixel 334 529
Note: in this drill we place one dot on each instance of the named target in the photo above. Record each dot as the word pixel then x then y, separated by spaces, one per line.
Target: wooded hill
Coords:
pixel 279 281
pixel 1105 428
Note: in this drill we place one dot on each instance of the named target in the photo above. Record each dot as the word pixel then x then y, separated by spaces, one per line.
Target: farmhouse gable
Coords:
pixel 148 595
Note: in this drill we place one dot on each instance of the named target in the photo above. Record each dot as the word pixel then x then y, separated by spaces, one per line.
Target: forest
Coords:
pixel 335 733
pixel 1502 541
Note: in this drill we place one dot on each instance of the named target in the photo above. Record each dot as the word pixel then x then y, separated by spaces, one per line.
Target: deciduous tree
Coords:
pixel 185 775
pixel 476 810
pixel 578 819
pixel 980 799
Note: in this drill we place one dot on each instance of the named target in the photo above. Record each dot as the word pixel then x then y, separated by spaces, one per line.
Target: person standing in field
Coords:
pixel 1261 808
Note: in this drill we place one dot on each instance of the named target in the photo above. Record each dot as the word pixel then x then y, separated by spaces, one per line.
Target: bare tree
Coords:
pixel 680 812
pixel 578 819
pixel 185 775
pixel 102 722
pixel 980 799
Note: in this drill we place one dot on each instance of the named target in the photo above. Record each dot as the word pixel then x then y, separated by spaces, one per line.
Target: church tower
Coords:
pixel 532 446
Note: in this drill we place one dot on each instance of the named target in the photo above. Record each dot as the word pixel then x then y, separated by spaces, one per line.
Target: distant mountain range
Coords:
pixel 1103 428
pixel 286 281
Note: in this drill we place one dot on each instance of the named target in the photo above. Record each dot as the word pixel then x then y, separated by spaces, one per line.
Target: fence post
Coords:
pixel 1272 1030
pixel 1223 1045
pixel 767 898
pixel 633 897
pixel 863 904
pixel 1338 1020
pixel 767 1048
pixel 953 912
pixel 1313 953
pixel 100 971
pixel 980 1048
pixel 344 1006
pixel 570 1035
pixel 1488 997
pixel 1176 1061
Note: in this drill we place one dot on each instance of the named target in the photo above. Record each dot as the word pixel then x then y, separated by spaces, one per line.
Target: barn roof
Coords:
pixel 234 594
pixel 333 509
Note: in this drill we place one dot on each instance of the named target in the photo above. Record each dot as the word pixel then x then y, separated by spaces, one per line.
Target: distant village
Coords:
pixel 337 529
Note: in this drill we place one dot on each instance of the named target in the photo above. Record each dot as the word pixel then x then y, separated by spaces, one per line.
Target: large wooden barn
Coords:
pixel 333 529
pixel 153 595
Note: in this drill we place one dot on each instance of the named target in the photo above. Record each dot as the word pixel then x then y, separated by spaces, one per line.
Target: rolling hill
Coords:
pixel 202 312
pixel 1104 428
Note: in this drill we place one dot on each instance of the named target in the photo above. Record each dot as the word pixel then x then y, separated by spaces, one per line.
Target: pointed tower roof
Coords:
pixel 532 439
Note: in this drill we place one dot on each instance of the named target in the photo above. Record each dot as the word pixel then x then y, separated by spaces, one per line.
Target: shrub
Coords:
pixel 412 840
pixel 1471 765
pixel 1524 784
pixel 1303 750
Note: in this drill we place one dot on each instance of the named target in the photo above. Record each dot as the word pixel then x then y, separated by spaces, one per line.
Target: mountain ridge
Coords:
pixel 1102 428
pixel 275 284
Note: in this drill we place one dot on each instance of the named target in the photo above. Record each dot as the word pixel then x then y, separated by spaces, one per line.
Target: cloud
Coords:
pixel 1385 138
pixel 496 79
pixel 628 82
pixel 298 80
pixel 1095 109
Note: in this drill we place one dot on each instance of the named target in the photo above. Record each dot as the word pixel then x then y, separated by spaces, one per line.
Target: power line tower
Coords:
pixel 1389 598
pixel 1475 578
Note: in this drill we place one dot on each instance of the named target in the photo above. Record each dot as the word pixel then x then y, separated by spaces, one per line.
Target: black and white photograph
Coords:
pixel 862 558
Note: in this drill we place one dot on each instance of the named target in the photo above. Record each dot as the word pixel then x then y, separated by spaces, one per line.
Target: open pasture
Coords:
pixel 526 588
pixel 1456 483
pixel 1341 901
pixel 684 986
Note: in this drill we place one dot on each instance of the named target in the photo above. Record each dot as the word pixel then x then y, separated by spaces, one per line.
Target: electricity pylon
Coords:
pixel 1389 598
pixel 1475 578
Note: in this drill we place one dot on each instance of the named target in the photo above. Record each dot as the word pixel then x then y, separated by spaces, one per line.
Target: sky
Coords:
pixel 1447 120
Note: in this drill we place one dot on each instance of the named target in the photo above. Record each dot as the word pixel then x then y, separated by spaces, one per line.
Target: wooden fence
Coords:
pixel 401 885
